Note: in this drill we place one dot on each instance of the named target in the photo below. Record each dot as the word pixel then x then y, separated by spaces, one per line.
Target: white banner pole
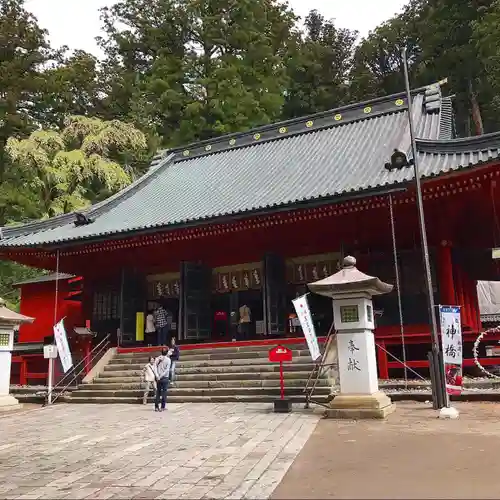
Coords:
pixel 49 382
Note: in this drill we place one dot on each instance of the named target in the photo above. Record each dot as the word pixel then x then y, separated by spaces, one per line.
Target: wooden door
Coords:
pixel 195 298
pixel 274 295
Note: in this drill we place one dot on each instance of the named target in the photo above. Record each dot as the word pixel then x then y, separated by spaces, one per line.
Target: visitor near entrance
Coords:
pixel 174 357
pixel 244 325
pixel 234 325
pixel 148 379
pixel 150 328
pixel 161 324
pixel 162 372
pixel 220 323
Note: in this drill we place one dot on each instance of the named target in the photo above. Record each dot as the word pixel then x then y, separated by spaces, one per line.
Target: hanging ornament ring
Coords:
pixel 475 352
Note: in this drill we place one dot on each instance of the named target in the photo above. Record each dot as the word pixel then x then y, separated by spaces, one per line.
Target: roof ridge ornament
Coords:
pixel 399 160
pixel 82 219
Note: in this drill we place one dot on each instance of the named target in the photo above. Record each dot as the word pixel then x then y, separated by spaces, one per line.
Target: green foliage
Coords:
pixel 195 69
pixel 11 273
pixel 70 169
pixel 73 129
pixel 318 66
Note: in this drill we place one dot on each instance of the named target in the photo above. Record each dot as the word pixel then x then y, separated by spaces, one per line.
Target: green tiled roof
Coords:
pixel 322 157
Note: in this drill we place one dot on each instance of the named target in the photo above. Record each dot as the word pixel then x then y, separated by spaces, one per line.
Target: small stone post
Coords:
pixel 351 292
pixel 8 320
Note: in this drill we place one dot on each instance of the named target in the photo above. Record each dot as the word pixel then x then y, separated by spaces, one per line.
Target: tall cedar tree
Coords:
pixel 318 65
pixel 24 51
pixel 194 69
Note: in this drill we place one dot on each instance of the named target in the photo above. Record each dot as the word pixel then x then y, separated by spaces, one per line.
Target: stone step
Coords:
pixel 89 392
pixel 193 356
pixel 216 369
pixel 207 364
pixel 195 384
pixel 289 375
pixel 209 350
pixel 190 399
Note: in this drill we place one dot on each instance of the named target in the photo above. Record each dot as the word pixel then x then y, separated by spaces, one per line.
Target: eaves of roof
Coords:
pixel 318 159
pixel 46 278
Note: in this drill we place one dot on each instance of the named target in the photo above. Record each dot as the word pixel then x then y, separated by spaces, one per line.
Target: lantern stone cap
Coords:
pixel 349 281
pixel 11 318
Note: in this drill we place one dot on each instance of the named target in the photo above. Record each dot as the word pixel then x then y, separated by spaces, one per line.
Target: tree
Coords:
pixel 24 52
pixel 70 87
pixel 378 64
pixel 439 35
pixel 194 69
pixel 10 273
pixel 318 66
pixel 447 28
pixel 89 160
pixel 486 38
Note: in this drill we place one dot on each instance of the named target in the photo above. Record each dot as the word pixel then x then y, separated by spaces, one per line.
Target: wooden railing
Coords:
pixel 26 362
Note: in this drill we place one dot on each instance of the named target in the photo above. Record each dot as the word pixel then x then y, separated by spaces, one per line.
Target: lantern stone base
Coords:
pixel 360 406
pixel 8 402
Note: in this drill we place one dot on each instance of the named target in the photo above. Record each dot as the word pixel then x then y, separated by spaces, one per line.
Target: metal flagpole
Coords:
pixel 50 381
pixel 398 286
pixel 423 237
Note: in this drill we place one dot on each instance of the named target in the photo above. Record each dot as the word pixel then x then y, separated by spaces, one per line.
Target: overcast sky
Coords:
pixel 76 23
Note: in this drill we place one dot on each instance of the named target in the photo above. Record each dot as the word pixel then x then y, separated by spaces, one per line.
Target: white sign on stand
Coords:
pixel 63 346
pixel 306 322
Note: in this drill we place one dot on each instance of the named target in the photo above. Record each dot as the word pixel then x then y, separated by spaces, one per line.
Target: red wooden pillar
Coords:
pixel 476 308
pixel 23 373
pixel 445 274
pixel 474 305
pixel 86 349
pixel 459 288
pixel 383 368
pixel 467 300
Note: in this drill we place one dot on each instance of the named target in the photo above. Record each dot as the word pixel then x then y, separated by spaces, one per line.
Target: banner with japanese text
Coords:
pixel 63 346
pixel 451 340
pixel 306 322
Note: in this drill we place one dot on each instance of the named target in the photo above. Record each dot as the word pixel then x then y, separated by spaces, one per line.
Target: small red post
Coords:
pixel 282 382
pixel 279 354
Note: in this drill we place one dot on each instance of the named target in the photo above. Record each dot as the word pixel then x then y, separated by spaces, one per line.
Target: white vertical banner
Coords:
pixel 306 322
pixel 451 340
pixel 63 346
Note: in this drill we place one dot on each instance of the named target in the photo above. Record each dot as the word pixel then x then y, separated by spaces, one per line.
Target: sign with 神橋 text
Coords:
pixel 307 325
pixel 451 340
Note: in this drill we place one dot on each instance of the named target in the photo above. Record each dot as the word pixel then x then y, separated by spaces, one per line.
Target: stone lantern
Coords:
pixel 8 320
pixel 351 292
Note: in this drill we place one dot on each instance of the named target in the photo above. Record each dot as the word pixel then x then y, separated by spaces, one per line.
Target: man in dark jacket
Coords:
pixel 174 357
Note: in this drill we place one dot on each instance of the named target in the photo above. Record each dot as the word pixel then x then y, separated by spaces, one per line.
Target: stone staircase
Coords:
pixel 228 374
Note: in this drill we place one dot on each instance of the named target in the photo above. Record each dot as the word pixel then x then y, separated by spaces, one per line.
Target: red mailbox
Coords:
pixel 279 354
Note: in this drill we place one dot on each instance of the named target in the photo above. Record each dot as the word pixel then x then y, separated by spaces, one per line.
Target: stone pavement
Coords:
pixel 126 451
pixel 412 455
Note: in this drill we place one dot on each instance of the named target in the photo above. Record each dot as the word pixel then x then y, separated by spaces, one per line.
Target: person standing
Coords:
pixel 162 373
pixel 149 379
pixel 174 357
pixel 150 328
pixel 161 324
pixel 245 319
pixel 234 325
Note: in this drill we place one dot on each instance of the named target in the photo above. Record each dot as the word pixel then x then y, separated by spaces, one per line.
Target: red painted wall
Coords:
pixel 38 301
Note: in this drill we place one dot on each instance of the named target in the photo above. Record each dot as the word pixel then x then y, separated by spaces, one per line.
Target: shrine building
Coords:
pixel 251 218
